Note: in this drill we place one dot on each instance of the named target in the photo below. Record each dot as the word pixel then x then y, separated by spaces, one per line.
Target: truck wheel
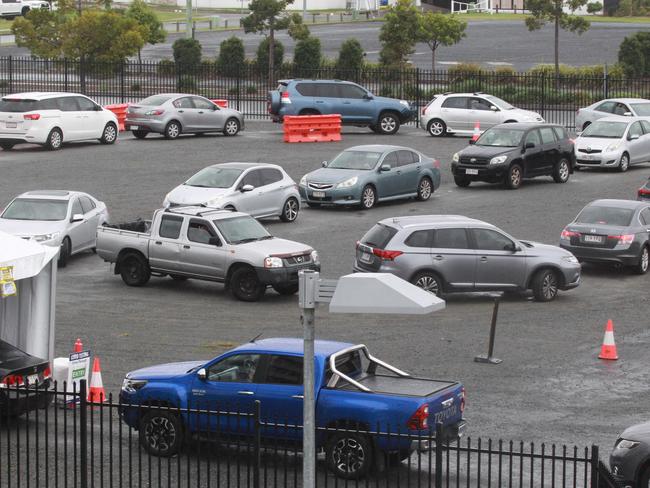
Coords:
pixel 286 289
pixel 7 146
pixel 161 433
pixel 348 455
pixel 134 270
pixel 65 252
pixel 545 285
pixel 644 478
pixel 462 181
pixel 245 285
pixel 139 134
pixel 514 175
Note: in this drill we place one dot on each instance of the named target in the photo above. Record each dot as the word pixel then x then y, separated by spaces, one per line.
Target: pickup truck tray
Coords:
pixel 395 385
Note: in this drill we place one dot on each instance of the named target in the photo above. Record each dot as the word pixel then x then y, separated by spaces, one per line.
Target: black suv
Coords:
pixel 508 153
pixel 18 369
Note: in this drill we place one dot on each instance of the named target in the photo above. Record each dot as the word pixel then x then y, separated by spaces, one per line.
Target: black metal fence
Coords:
pixel 88 444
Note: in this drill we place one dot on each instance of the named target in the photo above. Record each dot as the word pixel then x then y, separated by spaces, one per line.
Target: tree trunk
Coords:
pixel 271 56
pixel 433 59
pixel 557 52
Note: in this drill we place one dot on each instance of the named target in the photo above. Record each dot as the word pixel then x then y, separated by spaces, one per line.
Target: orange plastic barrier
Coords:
pixel 312 128
pixel 221 102
pixel 119 109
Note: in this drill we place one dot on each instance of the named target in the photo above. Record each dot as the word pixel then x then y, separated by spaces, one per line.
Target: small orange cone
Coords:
pixel 78 346
pixel 608 349
pixel 477 131
pixel 96 393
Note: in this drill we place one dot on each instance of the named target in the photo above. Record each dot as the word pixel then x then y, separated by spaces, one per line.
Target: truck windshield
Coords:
pixel 363 160
pixel 238 230
pixel 26 209
pixel 500 138
pixel 214 177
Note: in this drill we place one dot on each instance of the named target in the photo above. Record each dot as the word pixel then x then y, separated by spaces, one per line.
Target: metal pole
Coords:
pixel 304 9
pixel 308 282
pixel 189 32
pixel 83 434
pixel 493 331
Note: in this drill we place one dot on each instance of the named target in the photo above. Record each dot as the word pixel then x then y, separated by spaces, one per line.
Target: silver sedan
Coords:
pixel 173 114
pixel 630 107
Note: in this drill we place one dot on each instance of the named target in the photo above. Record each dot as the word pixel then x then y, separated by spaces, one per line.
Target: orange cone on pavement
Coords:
pixel 608 349
pixel 96 391
pixel 477 131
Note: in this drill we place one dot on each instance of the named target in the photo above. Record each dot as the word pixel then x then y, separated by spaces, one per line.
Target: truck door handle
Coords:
pixel 484 259
pixel 438 257
pixel 245 393
pixel 186 246
pixel 158 242
pixel 299 397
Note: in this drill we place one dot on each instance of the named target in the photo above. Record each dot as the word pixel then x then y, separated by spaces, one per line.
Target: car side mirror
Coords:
pixel 215 107
pixel 324 164
pixel 202 374
pixel 368 96
pixel 77 218
pixel 214 241
pixel 529 145
pixel 385 168
pixel 472 142
pixel 98 108
pixel 632 137
pixel 246 188
pixel 512 248
pixel 493 108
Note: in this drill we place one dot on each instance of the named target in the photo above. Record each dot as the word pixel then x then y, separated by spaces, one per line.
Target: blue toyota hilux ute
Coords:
pixel 354 391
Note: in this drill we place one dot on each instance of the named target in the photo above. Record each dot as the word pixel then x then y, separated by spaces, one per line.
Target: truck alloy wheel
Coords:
pixel 388 123
pixel 428 282
pixel 160 433
pixel 349 455
pixel 514 177
pixel 245 285
pixel 134 270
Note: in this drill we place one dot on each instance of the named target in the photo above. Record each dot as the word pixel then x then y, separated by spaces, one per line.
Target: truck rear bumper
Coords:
pixel 450 433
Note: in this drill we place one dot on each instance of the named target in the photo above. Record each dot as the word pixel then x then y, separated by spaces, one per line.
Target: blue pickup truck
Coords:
pixel 169 402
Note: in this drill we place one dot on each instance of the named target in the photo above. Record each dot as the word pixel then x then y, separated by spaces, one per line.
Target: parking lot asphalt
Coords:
pixel 550 387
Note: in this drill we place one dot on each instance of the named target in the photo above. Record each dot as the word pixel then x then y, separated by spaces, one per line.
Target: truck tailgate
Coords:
pixel 394 385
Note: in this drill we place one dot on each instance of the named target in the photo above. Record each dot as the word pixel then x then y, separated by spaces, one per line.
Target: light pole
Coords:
pixel 189 32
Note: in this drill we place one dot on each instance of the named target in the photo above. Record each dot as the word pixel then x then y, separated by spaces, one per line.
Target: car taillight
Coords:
pixel 385 254
pixel 568 234
pixel 424 109
pixel 47 373
pixel 644 191
pixel 462 399
pixel 11 380
pixel 420 419
pixel 32 116
pixel 158 111
pixel 623 239
pixel 284 97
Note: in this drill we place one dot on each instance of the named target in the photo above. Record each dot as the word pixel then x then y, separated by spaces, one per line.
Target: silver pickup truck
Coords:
pixel 206 244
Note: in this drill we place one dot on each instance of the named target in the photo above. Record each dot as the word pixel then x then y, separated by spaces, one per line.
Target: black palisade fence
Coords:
pixel 556 99
pixel 88 445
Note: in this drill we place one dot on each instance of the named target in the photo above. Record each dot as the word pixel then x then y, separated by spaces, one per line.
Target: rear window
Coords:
pixel 379 236
pixel 154 100
pixel 305 89
pixel 606 216
pixel 17 105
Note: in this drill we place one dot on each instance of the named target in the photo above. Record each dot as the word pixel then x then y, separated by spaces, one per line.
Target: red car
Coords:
pixel 643 194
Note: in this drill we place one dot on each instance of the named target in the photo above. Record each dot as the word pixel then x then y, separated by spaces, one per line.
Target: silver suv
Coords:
pixel 446 253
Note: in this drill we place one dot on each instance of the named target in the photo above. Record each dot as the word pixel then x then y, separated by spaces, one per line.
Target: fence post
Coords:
pixel 83 434
pixel 256 444
pixel 122 89
pixel 239 74
pixel 595 472
pixel 542 97
pixel 605 83
pixel 82 76
pixel 418 99
pixel 65 73
pixel 11 74
pixel 439 446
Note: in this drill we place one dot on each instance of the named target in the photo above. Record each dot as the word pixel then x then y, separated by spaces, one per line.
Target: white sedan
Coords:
pixel 65 219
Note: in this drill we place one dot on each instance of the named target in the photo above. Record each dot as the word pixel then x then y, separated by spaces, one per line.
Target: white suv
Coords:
pixel 50 119
pixel 10 9
pixel 457 113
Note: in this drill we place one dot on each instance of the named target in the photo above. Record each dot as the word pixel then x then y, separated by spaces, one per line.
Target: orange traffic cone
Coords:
pixel 608 349
pixel 96 391
pixel 477 131
pixel 78 346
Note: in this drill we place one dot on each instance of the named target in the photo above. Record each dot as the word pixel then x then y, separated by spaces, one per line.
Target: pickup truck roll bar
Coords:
pixel 374 362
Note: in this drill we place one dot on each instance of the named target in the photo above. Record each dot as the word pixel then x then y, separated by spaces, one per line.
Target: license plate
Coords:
pixel 365 257
pixel 588 157
pixel 470 171
pixel 594 239
pixel 134 127
pixel 12 125
pixel 318 194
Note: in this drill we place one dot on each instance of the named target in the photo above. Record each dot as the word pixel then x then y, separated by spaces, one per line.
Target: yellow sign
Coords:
pixel 7 283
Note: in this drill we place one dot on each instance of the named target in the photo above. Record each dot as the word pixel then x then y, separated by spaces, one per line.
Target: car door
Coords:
pixel 455 114
pixel 356 103
pixel 198 255
pixel 326 99
pixel 453 257
pixel 208 116
pixel 71 120
pixel 550 150
pixel 388 182
pixel 186 114
pixel 77 231
pixel 273 189
pixel 92 120
pixel 636 144
pixel 250 202
pixel 501 264
pixel 622 109
pixel 481 111
pixel 165 245
pixel 533 156
pixel 409 171
pixel 91 216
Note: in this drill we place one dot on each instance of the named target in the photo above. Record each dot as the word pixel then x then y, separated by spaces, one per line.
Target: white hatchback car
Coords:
pixel 68 219
pixel 457 113
pixel 50 119
pixel 258 189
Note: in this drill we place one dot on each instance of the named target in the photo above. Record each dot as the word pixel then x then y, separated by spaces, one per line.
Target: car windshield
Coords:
pixel 606 216
pixel 500 138
pixel 36 209
pixel 154 100
pixel 363 160
pixel 499 103
pixel 214 177
pixel 17 105
pixel 641 109
pixel 237 230
pixel 608 130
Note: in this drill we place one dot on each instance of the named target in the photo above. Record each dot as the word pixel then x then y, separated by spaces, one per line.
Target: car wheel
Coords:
pixel 514 177
pixel 54 140
pixel 425 189
pixel 245 285
pixel 437 128
pixel 313 205
pixel 109 136
pixel 24 11
pixel 375 129
pixel 286 289
pixel 642 266
pixel 161 433
pixel 368 197
pixel 428 281
pixel 178 277
pixel 172 130
pixel 65 252
pixel 7 146
pixel 644 479
pixel 545 285
pixel 561 171
pixel 231 128
pixel 290 210
pixel 348 455
pixel 624 163
pixel 134 270
pixel 388 123
pixel 139 134
pixel 462 181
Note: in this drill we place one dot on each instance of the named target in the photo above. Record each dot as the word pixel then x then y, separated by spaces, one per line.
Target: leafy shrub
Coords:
pixel 307 56
pixel 251 90
pixel 262 58
pixel 634 54
pixel 186 84
pixel 350 58
pixel 187 53
pixel 231 57
pixel 464 70
pixel 166 67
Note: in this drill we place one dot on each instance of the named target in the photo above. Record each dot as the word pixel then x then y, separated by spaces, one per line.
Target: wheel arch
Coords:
pixel 542 267
pixel 122 254
pixel 234 267
pixel 428 269
pixel 641 468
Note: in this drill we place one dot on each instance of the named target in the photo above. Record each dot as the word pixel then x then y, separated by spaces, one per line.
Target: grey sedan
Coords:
pixel 173 114
pixel 364 175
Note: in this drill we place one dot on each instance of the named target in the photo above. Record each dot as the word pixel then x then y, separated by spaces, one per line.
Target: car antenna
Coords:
pixel 256 337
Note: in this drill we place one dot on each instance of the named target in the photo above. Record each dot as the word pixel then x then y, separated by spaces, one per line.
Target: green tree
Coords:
pixel 398 34
pixel 438 29
pixel 187 53
pixel 594 7
pixel 40 30
pixel 231 57
pixel 144 15
pixel 262 58
pixel 553 11
pixel 307 56
pixel 350 59
pixel 634 54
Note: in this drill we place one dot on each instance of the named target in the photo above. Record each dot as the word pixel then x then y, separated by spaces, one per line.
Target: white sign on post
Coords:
pixel 78 369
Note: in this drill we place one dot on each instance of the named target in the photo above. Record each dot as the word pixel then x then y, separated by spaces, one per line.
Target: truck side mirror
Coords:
pixel 202 374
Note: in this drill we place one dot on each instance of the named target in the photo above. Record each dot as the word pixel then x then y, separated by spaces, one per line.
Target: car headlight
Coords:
pixel 405 103
pixel 131 386
pixel 303 181
pixel 46 237
pixel 498 160
pixel 625 444
pixel 273 262
pixel 571 259
pixel 613 147
pixel 350 182
pixel 314 257
pixel 215 202
pixel 455 158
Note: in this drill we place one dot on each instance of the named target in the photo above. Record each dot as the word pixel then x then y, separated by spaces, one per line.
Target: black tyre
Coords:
pixel 514 176
pixel 644 479
pixel 545 285
pixel 231 127
pixel 313 205
pixel 65 252
pixel 109 136
pixel 561 171
pixel 462 181
pixel 368 197
pixel 642 266
pixel 134 269
pixel 139 134
pixel 349 455
pixel 437 128
pixel 178 277
pixel 388 123
pixel 290 210
pixel 161 433
pixel 173 130
pixel 54 140
pixel 24 11
pixel 425 189
pixel 286 289
pixel 396 458
pixel 624 163
pixel 245 285
pixel 429 281
pixel 7 146
pixel 374 128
